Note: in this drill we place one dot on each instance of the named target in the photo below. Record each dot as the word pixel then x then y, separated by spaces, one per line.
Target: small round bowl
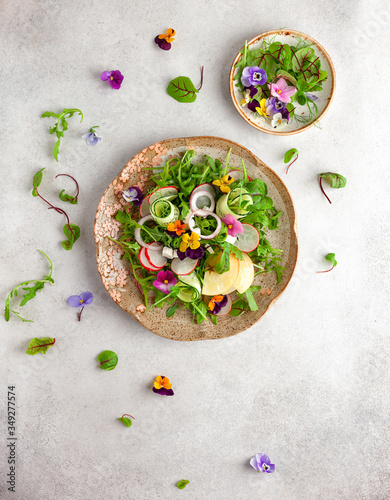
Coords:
pixel 325 96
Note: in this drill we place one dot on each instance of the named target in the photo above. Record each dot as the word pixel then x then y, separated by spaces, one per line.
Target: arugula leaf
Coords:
pixel 72 233
pixel 61 126
pixel 182 89
pixel 182 484
pixel 31 292
pixel 40 345
pixel 108 360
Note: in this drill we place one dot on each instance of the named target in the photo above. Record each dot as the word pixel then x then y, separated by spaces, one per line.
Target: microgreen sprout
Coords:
pixel 125 420
pixel 335 181
pixel 331 258
pixel 291 154
pixel 61 125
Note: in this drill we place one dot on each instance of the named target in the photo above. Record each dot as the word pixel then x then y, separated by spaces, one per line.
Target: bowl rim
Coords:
pixel 284 31
pixel 294 242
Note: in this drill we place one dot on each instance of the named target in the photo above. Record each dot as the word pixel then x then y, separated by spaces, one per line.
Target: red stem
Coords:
pixel 299 64
pixel 201 78
pixel 292 163
pixel 57 209
pixel 77 184
pixel 318 272
pixel 79 314
pixel 127 415
pixel 322 189
pixel 43 345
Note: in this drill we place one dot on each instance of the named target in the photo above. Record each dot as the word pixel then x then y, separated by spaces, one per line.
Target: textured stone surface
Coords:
pixel 307 385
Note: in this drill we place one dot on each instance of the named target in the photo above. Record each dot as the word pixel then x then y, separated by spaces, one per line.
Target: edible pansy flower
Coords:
pixel 190 247
pixel 84 299
pixel 253 75
pixel 217 303
pixel 165 281
pixel 223 183
pixel 262 109
pixel 175 229
pixel 114 78
pixel 133 195
pixel 249 94
pixel 92 138
pixel 262 463
pixel 281 90
pixel 164 40
pixel 163 386
pixel 278 121
pixel 274 105
pixel 234 226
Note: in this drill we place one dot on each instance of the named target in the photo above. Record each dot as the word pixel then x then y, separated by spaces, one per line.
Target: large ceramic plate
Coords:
pixel 290 37
pixel 117 276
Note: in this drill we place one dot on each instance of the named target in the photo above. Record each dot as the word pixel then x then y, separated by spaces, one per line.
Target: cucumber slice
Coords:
pixel 168 192
pixel 164 212
pixel 238 197
pixel 223 208
pixel 192 289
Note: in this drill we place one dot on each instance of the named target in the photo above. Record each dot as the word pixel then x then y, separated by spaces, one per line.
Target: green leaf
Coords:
pixel 335 180
pixel 31 292
pixel 239 307
pixel 301 98
pixel 280 73
pixel 108 360
pixel 65 197
pixel 251 300
pixel 171 310
pixel 303 86
pixel 299 57
pixel 49 113
pixel 182 89
pixel 72 233
pixel 331 258
pixel 290 154
pixel 182 484
pixel 56 149
pixel 126 421
pixel 37 179
pixel 40 345
pixel 201 311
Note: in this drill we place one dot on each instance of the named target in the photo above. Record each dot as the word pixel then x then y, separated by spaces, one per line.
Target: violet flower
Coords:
pixel 262 463
pixel 217 303
pixel 84 299
pixel 115 78
pixel 253 75
pixel 134 195
pixel 163 386
pixel 278 121
pixel 92 138
pixel 234 226
pixel 164 41
pixel 253 105
pixel 274 105
pixel 196 254
pixel 282 91
pixel 165 281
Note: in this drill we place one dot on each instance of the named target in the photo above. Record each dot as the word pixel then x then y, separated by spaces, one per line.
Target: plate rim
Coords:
pixel 284 31
pixel 294 243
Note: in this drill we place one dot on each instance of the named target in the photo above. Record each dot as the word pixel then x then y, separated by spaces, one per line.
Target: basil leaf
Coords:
pixel 182 89
pixel 335 180
pixel 290 154
pixel 40 345
pixel 72 236
pixel 331 258
pixel 182 484
pixel 108 360
pixel 65 197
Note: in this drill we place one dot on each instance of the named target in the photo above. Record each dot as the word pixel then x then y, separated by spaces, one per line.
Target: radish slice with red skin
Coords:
pixel 237 175
pixel 155 257
pixel 204 187
pixel 249 239
pixel 204 214
pixel 183 267
pixel 226 308
pixel 202 198
pixel 138 237
pixel 169 192
pixel 144 208
pixel 145 263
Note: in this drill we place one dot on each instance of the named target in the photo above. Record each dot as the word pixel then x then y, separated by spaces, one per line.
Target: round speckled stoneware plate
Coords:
pixel 290 37
pixel 117 276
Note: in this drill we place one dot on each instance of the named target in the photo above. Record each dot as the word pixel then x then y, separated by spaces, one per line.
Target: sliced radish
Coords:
pixel 204 187
pixel 169 192
pixel 226 308
pixel 145 263
pixel 237 175
pixel 144 207
pixel 155 257
pixel 202 200
pixel 183 267
pixel 249 239
pixel 138 237
pixel 204 214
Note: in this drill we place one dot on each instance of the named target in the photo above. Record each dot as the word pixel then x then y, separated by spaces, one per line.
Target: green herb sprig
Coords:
pixel 40 345
pixel 31 291
pixel 331 258
pixel 335 181
pixel 126 421
pixel 64 196
pixel 61 126
pixel 291 154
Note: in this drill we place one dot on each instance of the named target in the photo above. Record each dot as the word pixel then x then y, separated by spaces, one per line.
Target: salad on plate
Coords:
pixel 198 238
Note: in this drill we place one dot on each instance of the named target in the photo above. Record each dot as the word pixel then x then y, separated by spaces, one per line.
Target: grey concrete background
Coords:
pixel 308 385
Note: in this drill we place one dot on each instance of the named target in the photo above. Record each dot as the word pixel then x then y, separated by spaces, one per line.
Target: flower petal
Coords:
pixel 86 297
pixel 105 75
pixel 74 301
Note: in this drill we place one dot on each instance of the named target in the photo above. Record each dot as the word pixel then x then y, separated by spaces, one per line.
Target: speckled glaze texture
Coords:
pixel 325 96
pixel 116 273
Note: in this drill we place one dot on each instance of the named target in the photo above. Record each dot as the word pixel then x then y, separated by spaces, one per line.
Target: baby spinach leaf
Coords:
pixel 108 360
pixel 40 345
pixel 182 484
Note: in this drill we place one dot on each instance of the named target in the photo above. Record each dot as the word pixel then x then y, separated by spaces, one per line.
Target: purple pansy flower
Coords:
pixel 253 105
pixel 262 463
pixel 134 195
pixel 115 78
pixel 253 75
pixel 217 305
pixel 198 253
pixel 165 281
pixel 234 226
pixel 84 299
pixel 92 138
pixel 274 105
